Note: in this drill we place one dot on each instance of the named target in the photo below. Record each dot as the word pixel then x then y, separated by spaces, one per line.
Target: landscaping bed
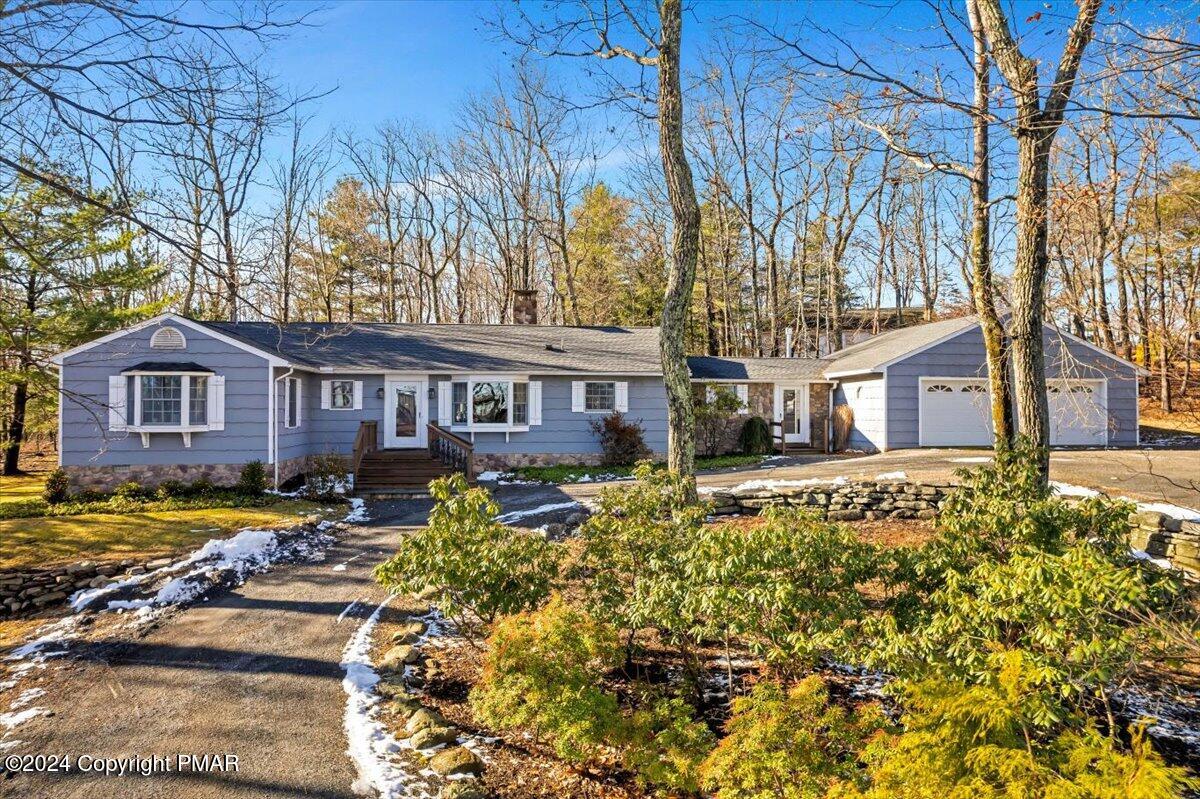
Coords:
pixel 659 650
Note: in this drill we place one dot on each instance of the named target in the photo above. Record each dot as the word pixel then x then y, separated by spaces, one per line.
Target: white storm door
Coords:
pixel 793 412
pixel 955 412
pixel 405 413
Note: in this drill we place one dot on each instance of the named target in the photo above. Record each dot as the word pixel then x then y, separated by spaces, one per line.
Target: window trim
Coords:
pixel 185 402
pixel 287 403
pixel 602 411
pixel 471 425
pixel 332 394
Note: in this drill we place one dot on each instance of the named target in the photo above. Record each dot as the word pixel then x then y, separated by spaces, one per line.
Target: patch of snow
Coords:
pixel 358 511
pixel 1141 554
pixel 973 459
pixel 10 720
pixel 346 610
pixel 755 485
pixel 1186 514
pixel 371 746
pixel 517 515
pixel 491 477
pixel 892 476
pixel 1174 717
pixel 27 696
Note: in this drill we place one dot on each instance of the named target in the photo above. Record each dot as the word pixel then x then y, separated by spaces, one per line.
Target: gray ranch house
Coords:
pixel 178 398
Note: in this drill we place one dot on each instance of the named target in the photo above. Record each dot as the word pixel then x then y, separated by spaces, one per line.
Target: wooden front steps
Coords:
pixel 398 471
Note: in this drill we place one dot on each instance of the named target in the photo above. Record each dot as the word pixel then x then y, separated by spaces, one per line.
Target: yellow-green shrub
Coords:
pixel 788 743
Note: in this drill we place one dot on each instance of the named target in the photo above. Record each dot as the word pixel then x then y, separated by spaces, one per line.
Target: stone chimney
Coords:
pixel 525 307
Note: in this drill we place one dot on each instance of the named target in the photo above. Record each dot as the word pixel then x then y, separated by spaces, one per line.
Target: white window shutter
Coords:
pixel 577 396
pixel 710 393
pixel 535 402
pixel 622 397
pixel 326 394
pixel 445 389
pixel 216 402
pixel 116 403
pixel 743 394
pixel 299 402
pixel 778 404
pixel 358 390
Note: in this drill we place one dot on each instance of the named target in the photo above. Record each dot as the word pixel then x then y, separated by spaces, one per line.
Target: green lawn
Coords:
pixel 111 536
pixel 573 474
pixel 22 487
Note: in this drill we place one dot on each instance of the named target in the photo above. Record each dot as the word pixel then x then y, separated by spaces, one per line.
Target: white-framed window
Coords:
pixel 164 401
pixel 491 403
pixel 599 396
pixel 341 394
pixel 292 396
pixel 161 400
pixel 198 400
pixel 741 390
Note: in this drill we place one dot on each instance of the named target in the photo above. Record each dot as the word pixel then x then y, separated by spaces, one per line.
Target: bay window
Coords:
pixel 489 403
pixel 166 398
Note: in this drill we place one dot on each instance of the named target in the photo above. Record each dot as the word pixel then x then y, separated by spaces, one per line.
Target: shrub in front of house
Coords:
pixel 253 479
pixel 622 441
pixel 715 411
pixel 325 478
pixel 57 488
pixel 755 438
pixel 473 567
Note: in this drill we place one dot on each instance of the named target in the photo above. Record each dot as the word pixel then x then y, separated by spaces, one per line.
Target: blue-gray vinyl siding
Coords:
pixel 865 396
pixel 963 356
pixel 562 431
pixel 566 432
pixel 87 441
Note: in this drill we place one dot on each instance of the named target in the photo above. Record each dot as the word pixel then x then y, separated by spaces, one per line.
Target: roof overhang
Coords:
pixel 272 358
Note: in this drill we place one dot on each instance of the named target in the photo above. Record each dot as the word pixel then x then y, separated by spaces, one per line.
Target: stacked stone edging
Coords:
pixel 842 502
pixel 30 590
pixel 403 670
pixel 1165 536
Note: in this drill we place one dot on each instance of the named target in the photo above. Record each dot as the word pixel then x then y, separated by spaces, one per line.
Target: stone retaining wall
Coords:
pixel 31 590
pixel 1157 534
pixel 1165 536
pixel 843 502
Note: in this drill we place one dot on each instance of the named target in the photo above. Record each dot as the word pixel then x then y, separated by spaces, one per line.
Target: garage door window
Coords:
pixel 938 388
pixel 973 388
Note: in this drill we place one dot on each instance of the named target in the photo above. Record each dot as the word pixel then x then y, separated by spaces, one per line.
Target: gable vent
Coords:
pixel 168 338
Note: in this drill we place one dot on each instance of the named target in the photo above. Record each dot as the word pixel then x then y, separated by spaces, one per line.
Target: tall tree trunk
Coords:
pixel 685 243
pixel 15 434
pixel 1036 127
pixel 982 284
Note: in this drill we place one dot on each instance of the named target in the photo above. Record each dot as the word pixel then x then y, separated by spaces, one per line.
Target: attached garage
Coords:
pixel 1078 412
pixel 956 412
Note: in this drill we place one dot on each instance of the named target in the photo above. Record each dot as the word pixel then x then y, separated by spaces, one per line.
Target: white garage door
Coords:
pixel 955 412
pixel 1078 412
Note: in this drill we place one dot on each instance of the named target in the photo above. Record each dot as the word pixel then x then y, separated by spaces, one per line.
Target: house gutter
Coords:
pixel 273 433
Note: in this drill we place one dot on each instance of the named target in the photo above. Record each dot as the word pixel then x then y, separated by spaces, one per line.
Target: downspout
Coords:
pixel 273 437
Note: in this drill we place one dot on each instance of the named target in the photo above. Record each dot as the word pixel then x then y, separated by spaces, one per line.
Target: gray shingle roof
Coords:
pixel 708 367
pixel 869 355
pixel 455 348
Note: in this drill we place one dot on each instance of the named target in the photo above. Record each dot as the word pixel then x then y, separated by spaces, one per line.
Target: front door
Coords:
pixel 792 411
pixel 404 413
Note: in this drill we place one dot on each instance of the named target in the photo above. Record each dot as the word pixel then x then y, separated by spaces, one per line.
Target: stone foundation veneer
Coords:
pixel 106 478
pixel 503 461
